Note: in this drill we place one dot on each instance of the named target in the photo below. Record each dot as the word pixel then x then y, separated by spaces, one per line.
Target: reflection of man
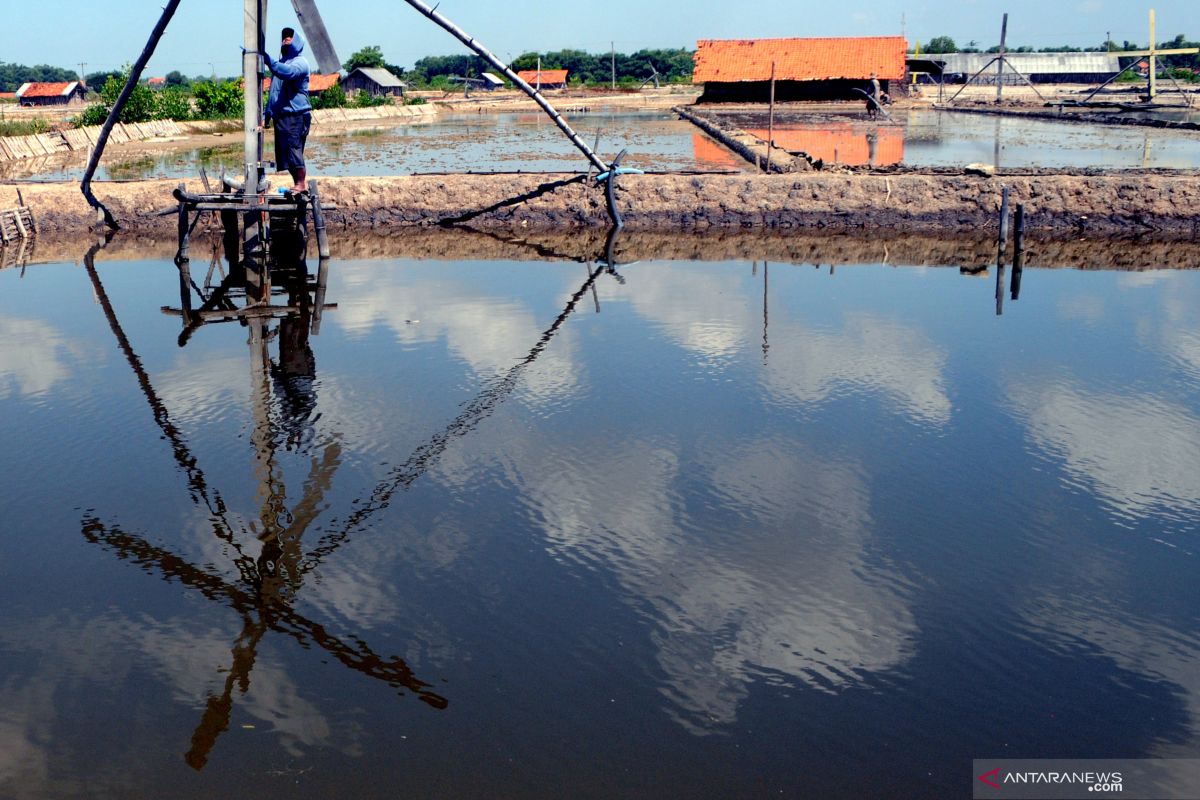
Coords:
pixel 288 106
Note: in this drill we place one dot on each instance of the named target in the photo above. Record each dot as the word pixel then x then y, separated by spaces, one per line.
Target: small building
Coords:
pixel 375 81
pixel 8 97
pixel 490 82
pixel 739 70
pixel 51 94
pixel 157 83
pixel 1085 68
pixel 545 79
pixel 316 83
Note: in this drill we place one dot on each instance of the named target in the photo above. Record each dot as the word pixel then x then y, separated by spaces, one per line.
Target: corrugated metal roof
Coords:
pixel 316 83
pixel 530 76
pixel 494 80
pixel 1035 63
pixel 381 76
pixel 46 89
pixel 853 58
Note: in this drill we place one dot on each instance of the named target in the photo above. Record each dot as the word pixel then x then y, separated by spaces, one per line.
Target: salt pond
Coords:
pixel 659 140
pixel 717 529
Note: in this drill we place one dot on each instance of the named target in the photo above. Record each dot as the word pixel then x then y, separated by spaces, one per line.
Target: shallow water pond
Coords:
pixel 543 528
pixel 657 140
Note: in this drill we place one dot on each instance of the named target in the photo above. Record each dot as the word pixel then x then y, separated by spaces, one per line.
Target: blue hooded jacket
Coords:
pixel 289 82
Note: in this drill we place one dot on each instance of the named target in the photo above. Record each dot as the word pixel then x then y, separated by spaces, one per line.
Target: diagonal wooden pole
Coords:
pixel 488 56
pixel 135 74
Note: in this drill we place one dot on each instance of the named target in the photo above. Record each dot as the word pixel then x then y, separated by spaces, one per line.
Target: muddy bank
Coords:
pixel 1099 205
pixel 803 247
pixel 1080 115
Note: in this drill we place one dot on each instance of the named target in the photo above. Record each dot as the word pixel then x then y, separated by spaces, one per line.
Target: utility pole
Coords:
pixel 1108 42
pixel 83 73
pixel 1000 60
pixel 613 50
pixel 252 120
pixel 539 74
pixel 1153 60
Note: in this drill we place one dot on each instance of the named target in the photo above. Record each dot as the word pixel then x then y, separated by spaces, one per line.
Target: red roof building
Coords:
pixel 51 94
pixel 827 68
pixel 316 83
pixel 547 78
pixel 156 83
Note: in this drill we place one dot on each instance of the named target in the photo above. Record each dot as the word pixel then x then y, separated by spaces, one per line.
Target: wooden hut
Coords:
pixel 739 70
pixel 51 94
pixel 546 79
pixel 375 81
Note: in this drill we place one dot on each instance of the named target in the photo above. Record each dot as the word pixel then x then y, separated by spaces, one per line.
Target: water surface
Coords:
pixel 525 528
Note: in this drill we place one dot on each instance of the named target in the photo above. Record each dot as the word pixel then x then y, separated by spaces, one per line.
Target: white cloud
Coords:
pixel 36 356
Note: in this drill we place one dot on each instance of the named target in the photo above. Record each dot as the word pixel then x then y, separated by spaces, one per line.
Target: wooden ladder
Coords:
pixel 16 223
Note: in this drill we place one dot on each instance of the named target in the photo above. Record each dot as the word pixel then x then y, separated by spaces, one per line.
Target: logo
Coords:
pixel 989 776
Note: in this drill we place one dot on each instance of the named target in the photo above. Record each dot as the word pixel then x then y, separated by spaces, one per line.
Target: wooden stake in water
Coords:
pixel 1001 246
pixel 1018 251
pixel 771 119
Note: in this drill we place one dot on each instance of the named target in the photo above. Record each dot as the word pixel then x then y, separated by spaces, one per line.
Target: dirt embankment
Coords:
pixel 1102 205
pixel 818 248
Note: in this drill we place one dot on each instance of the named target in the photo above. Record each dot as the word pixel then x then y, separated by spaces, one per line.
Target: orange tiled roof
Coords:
pixel 530 76
pixel 854 58
pixel 46 89
pixel 316 83
pixel 8 95
pixel 157 81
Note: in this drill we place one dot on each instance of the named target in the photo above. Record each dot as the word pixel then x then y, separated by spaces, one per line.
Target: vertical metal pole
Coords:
pixel 539 75
pixel 252 120
pixel 1000 61
pixel 771 119
pixel 1153 59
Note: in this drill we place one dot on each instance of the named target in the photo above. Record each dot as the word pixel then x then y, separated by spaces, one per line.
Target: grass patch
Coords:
pixel 23 127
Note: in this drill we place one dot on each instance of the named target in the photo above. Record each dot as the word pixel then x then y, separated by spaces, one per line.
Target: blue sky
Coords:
pixel 205 34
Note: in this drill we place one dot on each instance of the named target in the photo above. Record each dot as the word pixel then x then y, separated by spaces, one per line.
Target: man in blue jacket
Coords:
pixel 288 107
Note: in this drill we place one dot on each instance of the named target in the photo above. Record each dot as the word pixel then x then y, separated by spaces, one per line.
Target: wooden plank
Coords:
pixel 75 139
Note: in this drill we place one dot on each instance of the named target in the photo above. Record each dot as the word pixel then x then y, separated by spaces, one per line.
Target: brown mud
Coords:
pixel 1095 205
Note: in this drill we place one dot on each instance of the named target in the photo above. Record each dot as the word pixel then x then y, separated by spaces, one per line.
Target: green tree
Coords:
pixel 141 103
pixel 218 100
pixel 370 56
pixel 333 97
pixel 177 78
pixel 172 103
pixel 941 44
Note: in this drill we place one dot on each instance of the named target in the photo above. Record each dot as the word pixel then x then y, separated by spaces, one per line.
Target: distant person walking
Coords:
pixel 288 107
pixel 874 100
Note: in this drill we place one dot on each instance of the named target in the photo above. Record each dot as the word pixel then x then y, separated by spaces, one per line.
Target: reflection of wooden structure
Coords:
pixel 290 212
pixel 268 583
